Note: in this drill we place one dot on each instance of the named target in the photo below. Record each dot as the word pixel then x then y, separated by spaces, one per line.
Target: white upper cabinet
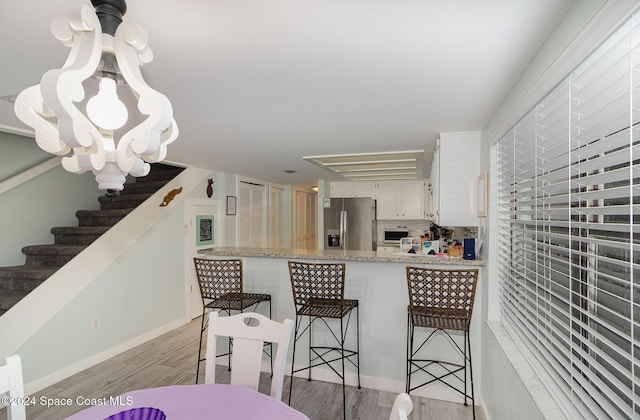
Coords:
pixel 434 190
pixel 396 200
pixel 401 200
pixel 352 189
pixel 387 200
pixel 454 172
pixel 364 189
pixel 411 199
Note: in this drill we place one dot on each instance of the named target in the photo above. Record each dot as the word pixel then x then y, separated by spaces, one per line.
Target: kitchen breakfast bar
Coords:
pixel 378 280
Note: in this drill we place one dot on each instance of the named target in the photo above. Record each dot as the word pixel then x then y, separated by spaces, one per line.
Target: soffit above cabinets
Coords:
pixel 409 164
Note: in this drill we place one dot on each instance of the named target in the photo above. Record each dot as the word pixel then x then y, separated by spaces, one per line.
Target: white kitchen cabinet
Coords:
pixel 412 199
pixel 387 201
pixel 341 189
pixel 364 189
pixel 401 200
pixel 352 189
pixel 434 191
pixel 428 198
pixel 396 200
pixel 454 171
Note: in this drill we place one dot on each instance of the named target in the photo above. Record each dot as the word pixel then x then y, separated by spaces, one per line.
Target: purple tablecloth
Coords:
pixel 197 402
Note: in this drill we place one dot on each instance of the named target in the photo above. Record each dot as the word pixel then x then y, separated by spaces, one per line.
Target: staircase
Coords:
pixel 44 260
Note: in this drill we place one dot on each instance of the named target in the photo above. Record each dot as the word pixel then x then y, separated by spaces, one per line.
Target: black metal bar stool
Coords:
pixel 318 293
pixel 220 284
pixel 442 301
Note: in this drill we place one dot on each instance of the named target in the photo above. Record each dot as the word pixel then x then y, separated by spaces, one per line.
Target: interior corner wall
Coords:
pixel 224 184
pixel 30 210
pixel 18 153
pixel 513 400
pixel 230 222
pixel 141 292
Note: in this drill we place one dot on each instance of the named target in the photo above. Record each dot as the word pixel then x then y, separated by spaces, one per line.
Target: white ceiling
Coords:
pixel 258 84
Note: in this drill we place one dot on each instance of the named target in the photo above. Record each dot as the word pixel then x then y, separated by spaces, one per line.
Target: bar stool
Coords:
pixel 441 300
pixel 318 293
pixel 220 284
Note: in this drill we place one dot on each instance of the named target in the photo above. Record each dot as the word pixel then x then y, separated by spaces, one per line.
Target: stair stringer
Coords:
pixel 21 322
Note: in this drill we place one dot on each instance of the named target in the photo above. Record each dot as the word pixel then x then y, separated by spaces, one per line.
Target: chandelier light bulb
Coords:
pixel 105 109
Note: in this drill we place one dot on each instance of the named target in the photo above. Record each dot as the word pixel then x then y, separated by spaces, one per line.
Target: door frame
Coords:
pixel 193 208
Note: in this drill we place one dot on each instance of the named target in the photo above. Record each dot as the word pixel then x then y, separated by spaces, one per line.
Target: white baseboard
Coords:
pixel 396 386
pixel 64 373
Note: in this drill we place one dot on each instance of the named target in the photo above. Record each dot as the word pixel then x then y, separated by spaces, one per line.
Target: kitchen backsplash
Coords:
pixel 416 227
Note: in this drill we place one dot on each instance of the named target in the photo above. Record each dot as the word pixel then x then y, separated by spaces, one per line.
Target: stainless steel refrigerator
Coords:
pixel 350 223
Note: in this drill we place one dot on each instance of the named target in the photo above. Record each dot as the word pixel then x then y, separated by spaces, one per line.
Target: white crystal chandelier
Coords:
pixel 104 58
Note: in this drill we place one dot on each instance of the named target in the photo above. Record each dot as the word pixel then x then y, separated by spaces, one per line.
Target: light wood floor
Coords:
pixel 170 360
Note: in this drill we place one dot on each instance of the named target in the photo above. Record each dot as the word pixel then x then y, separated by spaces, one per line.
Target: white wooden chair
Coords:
pixel 248 342
pixel 402 407
pixel 12 385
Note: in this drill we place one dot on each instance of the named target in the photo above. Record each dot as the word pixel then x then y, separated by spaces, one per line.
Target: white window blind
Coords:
pixel 569 229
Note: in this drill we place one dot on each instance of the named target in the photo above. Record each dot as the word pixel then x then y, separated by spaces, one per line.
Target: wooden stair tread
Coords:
pixel 41 272
pixel 80 229
pixel 8 298
pixel 54 249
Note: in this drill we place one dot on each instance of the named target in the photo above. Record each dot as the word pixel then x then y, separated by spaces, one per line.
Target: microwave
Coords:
pixel 393 234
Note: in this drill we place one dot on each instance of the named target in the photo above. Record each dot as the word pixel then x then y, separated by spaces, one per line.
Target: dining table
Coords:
pixel 192 402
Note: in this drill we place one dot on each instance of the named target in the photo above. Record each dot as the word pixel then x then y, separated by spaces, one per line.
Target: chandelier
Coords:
pixel 77 111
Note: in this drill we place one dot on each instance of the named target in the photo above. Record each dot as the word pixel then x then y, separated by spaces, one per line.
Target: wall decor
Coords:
pixel 482 190
pixel 205 233
pixel 209 187
pixel 231 205
pixel 170 196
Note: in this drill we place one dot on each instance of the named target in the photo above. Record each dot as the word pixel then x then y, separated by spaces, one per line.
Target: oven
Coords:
pixel 393 235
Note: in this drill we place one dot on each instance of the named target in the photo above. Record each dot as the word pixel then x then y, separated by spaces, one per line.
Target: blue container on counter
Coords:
pixel 469 252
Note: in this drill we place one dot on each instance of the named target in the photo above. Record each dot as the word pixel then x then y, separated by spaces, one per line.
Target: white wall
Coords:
pixel 230 231
pixel 140 292
pixel 18 154
pixel 123 289
pixel 30 210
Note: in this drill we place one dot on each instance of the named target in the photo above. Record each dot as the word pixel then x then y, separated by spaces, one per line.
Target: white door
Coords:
pixel 251 214
pixel 202 225
pixel 276 217
pixel 305 219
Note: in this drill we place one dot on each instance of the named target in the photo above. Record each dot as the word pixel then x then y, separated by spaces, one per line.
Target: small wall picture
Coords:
pixel 231 205
pixel 205 234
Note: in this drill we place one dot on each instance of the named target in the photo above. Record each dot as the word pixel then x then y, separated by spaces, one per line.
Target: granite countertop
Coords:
pixel 333 255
